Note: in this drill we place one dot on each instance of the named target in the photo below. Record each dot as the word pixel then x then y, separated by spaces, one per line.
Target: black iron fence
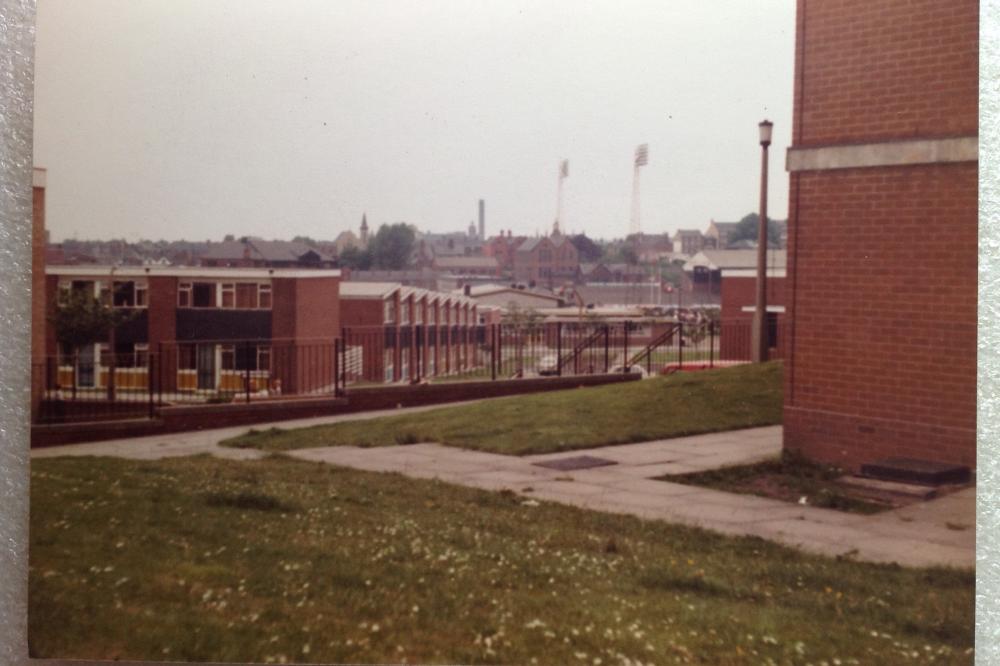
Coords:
pixel 91 384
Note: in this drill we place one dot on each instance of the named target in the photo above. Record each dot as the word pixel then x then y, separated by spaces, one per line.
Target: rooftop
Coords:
pixel 105 271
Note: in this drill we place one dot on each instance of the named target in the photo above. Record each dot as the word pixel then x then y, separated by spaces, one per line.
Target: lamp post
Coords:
pixel 759 337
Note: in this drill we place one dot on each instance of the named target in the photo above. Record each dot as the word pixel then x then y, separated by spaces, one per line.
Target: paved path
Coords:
pixel 939 532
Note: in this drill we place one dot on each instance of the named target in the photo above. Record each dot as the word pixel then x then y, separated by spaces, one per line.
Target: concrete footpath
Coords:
pixel 938 532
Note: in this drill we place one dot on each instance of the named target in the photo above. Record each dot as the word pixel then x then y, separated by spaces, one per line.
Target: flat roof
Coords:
pixel 728 259
pixel 351 289
pixel 362 290
pixel 93 271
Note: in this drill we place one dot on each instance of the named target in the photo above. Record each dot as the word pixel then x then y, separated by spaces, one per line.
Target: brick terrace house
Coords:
pixel 882 355
pixel 504 248
pixel 688 241
pixel 398 333
pixel 210 328
pixel 718 233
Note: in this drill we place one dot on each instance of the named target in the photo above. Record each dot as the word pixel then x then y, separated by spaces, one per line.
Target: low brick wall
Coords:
pixel 198 417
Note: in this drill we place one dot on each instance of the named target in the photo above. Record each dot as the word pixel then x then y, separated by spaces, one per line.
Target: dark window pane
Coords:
pixel 203 295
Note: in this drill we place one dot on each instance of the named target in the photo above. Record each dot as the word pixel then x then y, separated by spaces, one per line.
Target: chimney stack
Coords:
pixel 482 220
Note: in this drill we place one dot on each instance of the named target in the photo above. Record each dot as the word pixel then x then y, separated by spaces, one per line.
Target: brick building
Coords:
pixel 548 260
pixel 718 233
pixel 504 247
pixel 688 241
pixel 211 329
pixel 738 296
pixel 398 333
pixel 882 352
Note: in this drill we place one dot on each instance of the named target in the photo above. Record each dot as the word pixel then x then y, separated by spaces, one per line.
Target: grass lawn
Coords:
pixel 790 478
pixel 672 406
pixel 207 559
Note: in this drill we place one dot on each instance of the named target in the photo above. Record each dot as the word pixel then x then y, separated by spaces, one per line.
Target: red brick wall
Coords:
pixel 283 318
pixel 883 260
pixel 355 312
pixel 891 69
pixel 885 338
pixel 740 292
pixel 162 310
pixel 317 308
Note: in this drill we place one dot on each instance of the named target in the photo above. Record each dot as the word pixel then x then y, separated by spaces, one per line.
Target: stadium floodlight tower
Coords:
pixel 563 174
pixel 641 160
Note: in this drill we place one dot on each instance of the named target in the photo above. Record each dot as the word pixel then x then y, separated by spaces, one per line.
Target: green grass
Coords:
pixel 661 407
pixel 206 559
pixel 789 477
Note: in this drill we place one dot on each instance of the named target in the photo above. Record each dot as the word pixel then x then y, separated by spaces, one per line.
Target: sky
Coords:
pixel 198 118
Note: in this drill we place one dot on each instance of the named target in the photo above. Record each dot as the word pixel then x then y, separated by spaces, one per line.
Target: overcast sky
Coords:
pixel 197 118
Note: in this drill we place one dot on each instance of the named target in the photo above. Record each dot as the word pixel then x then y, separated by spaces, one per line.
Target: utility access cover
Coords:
pixel 575 463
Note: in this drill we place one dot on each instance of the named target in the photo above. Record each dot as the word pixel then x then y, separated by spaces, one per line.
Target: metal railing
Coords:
pixel 89 385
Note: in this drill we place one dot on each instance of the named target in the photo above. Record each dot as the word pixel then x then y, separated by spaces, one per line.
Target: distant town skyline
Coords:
pixel 196 120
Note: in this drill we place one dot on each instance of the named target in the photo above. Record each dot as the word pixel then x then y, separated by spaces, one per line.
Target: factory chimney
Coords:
pixel 482 220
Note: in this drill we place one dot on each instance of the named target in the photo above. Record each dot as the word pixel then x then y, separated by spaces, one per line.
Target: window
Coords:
pixel 141 295
pixel 418 313
pixel 123 295
pixel 404 313
pixel 387 361
pixel 104 293
pixel 184 295
pixel 202 295
pixel 264 293
pixel 64 292
pixel 228 295
pixel 228 361
pixel 132 355
pixel 389 311
pixel 246 296
pixel 264 358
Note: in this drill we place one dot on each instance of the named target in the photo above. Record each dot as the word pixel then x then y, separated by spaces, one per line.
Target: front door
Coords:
pixel 206 366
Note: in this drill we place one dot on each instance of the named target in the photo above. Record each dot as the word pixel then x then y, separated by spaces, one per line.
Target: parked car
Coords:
pixel 548 365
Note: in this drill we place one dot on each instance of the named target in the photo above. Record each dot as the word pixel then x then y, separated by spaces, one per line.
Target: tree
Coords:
pixel 589 251
pixel 82 320
pixel 746 229
pixel 392 246
pixel 305 240
pixel 355 258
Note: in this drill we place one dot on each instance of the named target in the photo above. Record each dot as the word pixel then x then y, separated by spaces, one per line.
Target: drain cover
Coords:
pixel 575 463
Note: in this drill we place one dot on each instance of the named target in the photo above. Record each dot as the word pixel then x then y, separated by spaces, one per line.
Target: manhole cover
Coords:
pixel 575 463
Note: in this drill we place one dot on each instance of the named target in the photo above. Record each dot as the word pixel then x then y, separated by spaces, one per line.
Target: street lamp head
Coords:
pixel 765 132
